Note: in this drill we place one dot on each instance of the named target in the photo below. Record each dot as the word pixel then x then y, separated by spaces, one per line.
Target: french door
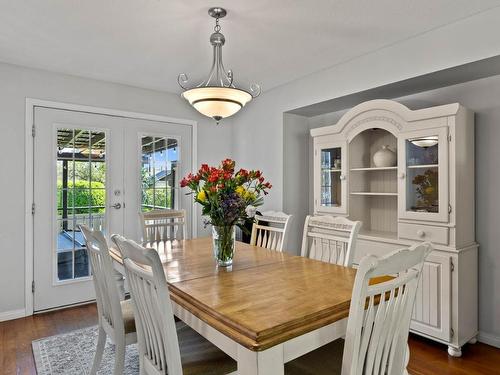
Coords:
pixel 99 171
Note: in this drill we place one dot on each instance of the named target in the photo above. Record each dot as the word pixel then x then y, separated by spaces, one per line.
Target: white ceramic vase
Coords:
pixel 385 157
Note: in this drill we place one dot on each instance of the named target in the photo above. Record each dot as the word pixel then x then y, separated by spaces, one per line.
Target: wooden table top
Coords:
pixel 265 299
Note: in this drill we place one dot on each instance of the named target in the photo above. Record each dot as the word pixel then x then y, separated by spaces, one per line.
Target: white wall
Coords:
pixel 259 135
pixel 17 83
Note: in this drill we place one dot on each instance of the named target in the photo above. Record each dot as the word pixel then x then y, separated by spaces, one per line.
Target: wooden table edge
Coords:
pixel 252 340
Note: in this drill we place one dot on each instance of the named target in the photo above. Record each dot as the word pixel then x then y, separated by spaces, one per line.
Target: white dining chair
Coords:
pixel 378 325
pixel 163 225
pixel 274 234
pixel 115 317
pixel 162 343
pixel 330 239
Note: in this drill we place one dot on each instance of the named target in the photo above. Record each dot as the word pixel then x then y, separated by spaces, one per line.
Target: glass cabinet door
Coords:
pixel 330 178
pixel 424 175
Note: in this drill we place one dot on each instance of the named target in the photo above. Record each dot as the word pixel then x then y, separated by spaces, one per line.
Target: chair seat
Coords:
pixel 199 356
pixel 128 316
pixel 326 360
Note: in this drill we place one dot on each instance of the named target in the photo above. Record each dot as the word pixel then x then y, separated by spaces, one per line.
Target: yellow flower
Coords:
pixel 249 195
pixel 240 190
pixel 202 196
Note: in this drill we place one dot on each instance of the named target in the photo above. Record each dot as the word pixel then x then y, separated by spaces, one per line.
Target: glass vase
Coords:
pixel 223 243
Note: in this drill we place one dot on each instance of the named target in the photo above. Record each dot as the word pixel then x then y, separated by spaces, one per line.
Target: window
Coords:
pixel 81 196
pixel 159 172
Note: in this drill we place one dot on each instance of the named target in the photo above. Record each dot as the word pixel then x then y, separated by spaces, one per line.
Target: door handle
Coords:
pixel 116 206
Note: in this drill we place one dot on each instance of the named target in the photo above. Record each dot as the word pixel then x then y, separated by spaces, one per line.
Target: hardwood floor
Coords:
pixel 427 357
pixel 16 356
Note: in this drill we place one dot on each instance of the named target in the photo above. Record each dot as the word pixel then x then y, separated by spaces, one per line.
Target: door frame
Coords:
pixel 31 105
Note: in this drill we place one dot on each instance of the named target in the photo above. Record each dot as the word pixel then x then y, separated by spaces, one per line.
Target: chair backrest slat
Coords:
pixel 330 239
pixel 163 225
pixel 156 331
pixel 380 314
pixel 107 295
pixel 273 235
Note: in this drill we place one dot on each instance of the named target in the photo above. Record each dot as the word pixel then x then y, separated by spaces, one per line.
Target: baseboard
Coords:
pixel 488 338
pixel 13 314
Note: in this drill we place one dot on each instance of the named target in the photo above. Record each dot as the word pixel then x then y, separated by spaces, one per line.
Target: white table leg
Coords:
pixel 266 362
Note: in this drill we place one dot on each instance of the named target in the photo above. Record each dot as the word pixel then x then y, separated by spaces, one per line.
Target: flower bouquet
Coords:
pixel 228 198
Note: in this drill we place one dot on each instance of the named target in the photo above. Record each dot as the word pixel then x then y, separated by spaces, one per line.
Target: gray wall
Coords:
pixel 481 96
pixel 295 168
pixel 17 83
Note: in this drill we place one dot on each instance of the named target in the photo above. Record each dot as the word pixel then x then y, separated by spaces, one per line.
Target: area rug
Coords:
pixel 73 353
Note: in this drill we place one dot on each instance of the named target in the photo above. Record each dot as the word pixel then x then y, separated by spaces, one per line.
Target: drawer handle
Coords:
pixel 421 233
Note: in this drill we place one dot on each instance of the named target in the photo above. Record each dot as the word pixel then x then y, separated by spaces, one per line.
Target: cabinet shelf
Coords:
pixel 374 169
pixel 368 193
pixel 419 166
pixel 330 170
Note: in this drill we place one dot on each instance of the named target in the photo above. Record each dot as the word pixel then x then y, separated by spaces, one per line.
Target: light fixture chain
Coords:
pixel 217 26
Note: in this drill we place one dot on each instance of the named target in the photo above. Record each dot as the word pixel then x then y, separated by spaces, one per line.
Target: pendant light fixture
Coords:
pixel 217 96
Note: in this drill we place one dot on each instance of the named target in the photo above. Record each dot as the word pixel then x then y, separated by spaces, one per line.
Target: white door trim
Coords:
pixel 31 104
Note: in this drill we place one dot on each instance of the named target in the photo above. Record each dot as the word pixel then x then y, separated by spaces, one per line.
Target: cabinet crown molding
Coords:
pixel 395 114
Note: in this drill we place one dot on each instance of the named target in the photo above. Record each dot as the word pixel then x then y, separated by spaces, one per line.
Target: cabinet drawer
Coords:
pixel 423 233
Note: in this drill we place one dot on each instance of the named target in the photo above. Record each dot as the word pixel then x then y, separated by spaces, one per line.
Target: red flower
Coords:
pixel 267 185
pixel 243 173
pixel 213 189
pixel 228 165
pixel 213 177
pixel 187 180
pixel 261 179
pixel 204 169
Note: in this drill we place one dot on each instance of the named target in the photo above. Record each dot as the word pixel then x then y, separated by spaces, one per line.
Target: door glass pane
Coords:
pixel 81 197
pixel 158 172
pixel 65 265
pixel 422 170
pixel 331 189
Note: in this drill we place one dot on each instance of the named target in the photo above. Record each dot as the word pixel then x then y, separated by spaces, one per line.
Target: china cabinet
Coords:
pixel 427 196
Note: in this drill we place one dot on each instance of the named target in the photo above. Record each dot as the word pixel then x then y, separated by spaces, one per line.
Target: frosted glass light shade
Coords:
pixel 425 142
pixel 217 102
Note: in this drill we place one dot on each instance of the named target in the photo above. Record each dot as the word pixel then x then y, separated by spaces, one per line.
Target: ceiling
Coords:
pixel 147 43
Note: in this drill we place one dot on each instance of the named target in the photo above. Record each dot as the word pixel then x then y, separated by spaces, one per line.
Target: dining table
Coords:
pixel 265 310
